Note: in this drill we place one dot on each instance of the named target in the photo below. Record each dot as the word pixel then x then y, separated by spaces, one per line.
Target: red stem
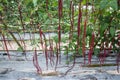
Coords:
pixel 71 66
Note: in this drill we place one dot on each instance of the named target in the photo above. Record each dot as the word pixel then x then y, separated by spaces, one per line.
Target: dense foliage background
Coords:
pixel 85 24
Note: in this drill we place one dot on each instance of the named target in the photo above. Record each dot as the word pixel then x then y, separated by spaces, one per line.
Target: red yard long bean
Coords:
pixel 117 61
pixel 6 47
pixel 51 54
pixel 59 36
pixel 46 50
pixel 41 38
pixel 60 6
pixel 119 39
pixel 24 45
pixel 118 57
pixel 21 18
pixel 44 46
pixel 84 32
pixel 91 48
pixel 74 59
pixel 47 4
pixel 10 45
pixel 71 20
pixel 83 41
pixel 57 56
pixel 46 57
pixel 35 62
pixel 78 27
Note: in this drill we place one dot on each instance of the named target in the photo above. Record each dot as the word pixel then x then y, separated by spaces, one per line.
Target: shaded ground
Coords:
pixel 18 68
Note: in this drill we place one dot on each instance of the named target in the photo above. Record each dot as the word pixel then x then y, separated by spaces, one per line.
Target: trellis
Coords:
pixel 84 27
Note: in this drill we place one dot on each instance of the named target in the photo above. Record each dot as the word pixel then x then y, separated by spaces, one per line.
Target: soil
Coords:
pixel 20 68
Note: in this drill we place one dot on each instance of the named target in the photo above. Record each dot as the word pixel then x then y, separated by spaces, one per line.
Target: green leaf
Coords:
pixel 80 51
pixel 89 30
pixel 112 31
pixel 113 4
pixel 108 3
pixel 67 62
pixel 1 8
pixel 35 3
pixel 103 4
pixel 20 49
pixel 5 1
pixel 102 28
pixel 96 51
pixel 26 2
